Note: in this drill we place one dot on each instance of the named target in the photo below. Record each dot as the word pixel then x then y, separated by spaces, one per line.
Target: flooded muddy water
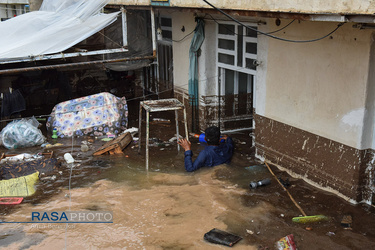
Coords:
pixel 168 208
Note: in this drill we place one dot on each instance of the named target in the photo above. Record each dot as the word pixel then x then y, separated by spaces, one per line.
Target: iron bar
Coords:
pixel 73 65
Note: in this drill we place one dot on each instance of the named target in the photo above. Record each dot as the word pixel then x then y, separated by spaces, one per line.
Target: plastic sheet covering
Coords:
pixel 19 187
pixel 57 26
pixel 94 115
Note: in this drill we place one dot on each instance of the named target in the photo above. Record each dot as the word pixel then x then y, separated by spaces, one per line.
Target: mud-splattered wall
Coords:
pixel 324 163
pixel 315 106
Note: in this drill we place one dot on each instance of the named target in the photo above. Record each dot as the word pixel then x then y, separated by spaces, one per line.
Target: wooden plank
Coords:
pixel 115 146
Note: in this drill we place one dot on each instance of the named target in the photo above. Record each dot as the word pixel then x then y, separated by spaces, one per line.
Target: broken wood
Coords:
pixel 115 146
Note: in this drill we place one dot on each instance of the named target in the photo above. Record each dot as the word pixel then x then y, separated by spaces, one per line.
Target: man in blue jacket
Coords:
pixel 215 153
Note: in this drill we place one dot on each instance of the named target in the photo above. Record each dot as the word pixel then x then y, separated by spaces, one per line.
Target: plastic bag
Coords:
pixel 22 133
pixel 19 187
pixel 286 243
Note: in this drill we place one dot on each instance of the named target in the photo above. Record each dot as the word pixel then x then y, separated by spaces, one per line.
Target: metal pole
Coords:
pixel 124 28
pixel 139 127
pixel 147 135
pixel 177 130
pixel 153 30
pixel 64 56
pixel 73 65
pixel 186 128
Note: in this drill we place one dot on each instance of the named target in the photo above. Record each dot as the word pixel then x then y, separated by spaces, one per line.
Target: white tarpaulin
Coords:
pixel 57 26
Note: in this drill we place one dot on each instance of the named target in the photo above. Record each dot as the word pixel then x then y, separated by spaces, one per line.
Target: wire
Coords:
pixel 272 36
pixel 212 18
pixel 177 41
pixel 281 28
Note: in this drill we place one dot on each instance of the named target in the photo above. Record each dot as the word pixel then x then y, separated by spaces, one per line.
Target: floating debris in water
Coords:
pixel 346 221
pixel 330 234
pixel 249 231
pixel 84 148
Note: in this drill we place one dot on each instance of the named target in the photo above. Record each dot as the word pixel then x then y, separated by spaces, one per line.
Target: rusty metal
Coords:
pixel 74 65
pixel 64 55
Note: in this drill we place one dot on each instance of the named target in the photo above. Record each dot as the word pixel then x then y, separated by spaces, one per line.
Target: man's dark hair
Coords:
pixel 212 135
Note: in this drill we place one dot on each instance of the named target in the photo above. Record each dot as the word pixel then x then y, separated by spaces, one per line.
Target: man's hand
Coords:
pixel 185 144
pixel 225 137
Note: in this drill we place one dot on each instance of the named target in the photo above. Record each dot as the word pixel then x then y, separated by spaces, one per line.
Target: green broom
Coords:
pixel 304 218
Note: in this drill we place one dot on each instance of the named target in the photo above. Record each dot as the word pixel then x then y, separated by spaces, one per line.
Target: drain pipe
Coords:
pixel 153 32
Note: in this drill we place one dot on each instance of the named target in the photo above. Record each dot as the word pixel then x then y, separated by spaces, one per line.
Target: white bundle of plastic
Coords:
pixel 22 133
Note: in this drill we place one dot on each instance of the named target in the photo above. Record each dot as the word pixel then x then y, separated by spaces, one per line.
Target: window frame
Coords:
pixel 234 37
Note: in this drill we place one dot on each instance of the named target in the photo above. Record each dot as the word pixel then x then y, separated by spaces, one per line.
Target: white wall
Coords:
pixel 261 78
pixel 208 73
pixel 319 87
pixel 207 69
pixel 181 49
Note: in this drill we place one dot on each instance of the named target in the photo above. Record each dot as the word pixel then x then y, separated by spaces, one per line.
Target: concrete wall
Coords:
pixel 181 49
pixel 315 106
pixel 297 6
pixel 207 68
pixel 208 78
pixel 35 4
pixel 320 87
pixel 208 75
